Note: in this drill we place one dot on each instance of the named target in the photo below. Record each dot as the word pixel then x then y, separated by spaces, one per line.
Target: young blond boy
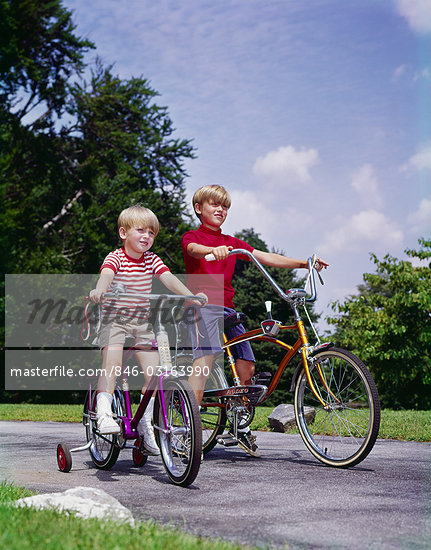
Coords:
pixel 211 204
pixel 134 266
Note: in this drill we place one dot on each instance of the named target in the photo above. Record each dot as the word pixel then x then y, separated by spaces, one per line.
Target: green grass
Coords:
pixel 403 425
pixel 26 528
pixel 41 413
pixel 9 492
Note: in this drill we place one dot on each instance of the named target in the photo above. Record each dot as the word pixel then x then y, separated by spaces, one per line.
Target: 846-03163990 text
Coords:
pixel 62 371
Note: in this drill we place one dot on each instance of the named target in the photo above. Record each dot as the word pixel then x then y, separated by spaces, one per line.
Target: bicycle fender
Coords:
pixel 322 347
pixel 317 349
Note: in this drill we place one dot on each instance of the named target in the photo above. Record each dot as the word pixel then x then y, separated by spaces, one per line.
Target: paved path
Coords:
pixel 285 498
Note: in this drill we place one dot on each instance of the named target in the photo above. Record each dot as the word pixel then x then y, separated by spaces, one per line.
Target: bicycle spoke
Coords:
pixel 104 450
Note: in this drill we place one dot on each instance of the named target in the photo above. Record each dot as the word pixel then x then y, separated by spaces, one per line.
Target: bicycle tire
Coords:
pixel 343 434
pixel 64 457
pixel 104 450
pixel 139 458
pixel 181 443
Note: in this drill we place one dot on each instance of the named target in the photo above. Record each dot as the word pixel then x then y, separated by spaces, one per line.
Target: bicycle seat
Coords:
pixel 234 319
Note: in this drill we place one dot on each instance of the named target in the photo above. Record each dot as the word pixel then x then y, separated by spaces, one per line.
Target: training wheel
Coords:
pixel 64 457
pixel 139 458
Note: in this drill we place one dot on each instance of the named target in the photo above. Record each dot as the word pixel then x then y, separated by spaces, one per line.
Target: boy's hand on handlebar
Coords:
pixel 204 298
pixel 221 252
pixel 319 264
pixel 96 295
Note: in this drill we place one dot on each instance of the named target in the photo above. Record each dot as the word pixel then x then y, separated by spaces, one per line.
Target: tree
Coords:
pixel 388 325
pixel 39 53
pixel 74 153
pixel 118 152
pixel 65 178
pixel 251 292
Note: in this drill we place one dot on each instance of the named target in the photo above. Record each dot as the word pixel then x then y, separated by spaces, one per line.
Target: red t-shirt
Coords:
pixel 217 283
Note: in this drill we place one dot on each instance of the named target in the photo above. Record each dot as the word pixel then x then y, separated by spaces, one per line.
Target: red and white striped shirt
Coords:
pixel 136 275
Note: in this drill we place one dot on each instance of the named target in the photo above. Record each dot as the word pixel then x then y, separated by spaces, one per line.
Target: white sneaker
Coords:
pixel 107 425
pixel 146 431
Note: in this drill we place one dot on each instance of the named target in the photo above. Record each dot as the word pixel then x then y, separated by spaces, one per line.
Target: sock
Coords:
pixel 148 414
pixel 104 402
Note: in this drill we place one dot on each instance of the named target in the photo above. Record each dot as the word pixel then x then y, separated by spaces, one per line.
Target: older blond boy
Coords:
pixel 211 204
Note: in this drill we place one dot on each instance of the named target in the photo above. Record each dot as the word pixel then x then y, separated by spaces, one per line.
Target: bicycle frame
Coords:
pixel 176 417
pixel 130 422
pixel 259 336
pixel 336 403
pixel 295 297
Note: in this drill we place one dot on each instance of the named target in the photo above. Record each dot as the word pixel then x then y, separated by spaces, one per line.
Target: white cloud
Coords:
pixel 420 161
pixel 364 182
pixel 420 220
pixel 247 211
pixel 417 13
pixel 277 223
pixel 398 73
pixel 368 228
pixel 286 166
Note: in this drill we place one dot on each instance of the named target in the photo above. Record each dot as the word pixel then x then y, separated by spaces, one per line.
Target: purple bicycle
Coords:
pixel 176 417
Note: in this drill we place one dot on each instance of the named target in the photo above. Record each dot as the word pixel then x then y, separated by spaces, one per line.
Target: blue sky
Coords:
pixel 315 115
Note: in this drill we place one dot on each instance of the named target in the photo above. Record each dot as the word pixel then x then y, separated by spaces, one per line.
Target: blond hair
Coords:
pixel 138 216
pixel 215 193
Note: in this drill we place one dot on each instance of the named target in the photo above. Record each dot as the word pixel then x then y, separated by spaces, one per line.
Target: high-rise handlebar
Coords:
pixel 122 293
pixel 290 295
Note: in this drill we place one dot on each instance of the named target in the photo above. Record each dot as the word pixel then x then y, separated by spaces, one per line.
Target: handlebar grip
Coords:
pixel 210 257
pixel 313 262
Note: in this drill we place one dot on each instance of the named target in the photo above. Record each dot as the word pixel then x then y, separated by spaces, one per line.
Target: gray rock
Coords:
pixel 282 418
pixel 85 502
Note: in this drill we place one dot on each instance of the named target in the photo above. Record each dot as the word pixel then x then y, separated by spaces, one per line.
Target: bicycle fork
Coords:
pixel 306 359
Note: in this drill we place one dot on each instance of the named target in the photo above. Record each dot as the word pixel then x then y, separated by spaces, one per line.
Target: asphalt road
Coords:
pixel 286 498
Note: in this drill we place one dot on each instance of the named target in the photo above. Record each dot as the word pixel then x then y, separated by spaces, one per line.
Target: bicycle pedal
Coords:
pixel 262 378
pixel 227 440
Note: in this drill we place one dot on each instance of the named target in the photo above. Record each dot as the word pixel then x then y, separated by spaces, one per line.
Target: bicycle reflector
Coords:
pixel 270 327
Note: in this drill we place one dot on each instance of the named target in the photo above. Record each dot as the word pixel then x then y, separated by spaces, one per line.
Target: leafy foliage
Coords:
pixel 388 325
pixel 39 53
pixel 64 180
pixel 74 152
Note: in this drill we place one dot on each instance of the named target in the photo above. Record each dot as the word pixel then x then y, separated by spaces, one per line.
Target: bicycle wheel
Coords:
pixel 139 458
pixel 64 458
pixel 105 449
pixel 179 433
pixel 342 433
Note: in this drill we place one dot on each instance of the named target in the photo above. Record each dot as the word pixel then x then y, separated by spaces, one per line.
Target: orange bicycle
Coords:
pixel 336 403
